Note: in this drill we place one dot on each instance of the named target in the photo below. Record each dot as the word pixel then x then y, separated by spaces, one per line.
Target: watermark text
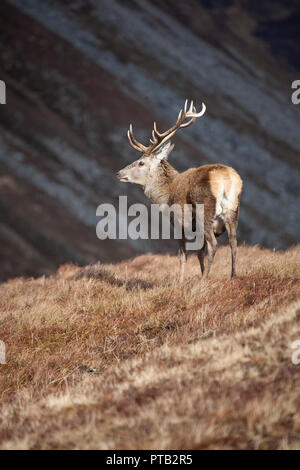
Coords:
pixel 296 354
pixel 2 92
pixel 296 94
pixel 136 222
pixel 2 352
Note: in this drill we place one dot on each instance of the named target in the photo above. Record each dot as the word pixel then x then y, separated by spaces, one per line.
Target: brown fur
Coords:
pixel 216 186
pixel 201 186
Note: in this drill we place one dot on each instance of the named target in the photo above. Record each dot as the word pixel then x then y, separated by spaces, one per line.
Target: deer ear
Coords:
pixel 164 151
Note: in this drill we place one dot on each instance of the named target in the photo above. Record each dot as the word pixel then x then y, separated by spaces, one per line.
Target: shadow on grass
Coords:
pixel 99 273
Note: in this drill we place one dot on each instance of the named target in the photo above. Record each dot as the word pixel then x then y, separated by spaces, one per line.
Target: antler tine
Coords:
pixel 133 142
pixel 202 110
pixel 193 112
pixel 165 138
pixel 158 135
pixel 155 129
pixel 141 146
pixel 191 107
pixel 187 124
pixel 154 138
pixel 161 135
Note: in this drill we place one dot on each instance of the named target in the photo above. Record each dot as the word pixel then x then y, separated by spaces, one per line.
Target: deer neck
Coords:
pixel 157 188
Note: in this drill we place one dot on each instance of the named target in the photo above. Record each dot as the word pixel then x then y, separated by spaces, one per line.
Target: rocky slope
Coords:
pixel 78 72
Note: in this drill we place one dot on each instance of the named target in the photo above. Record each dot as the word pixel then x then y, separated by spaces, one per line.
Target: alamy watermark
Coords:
pixel 2 352
pixel 172 221
pixel 296 354
pixel 2 92
pixel 296 94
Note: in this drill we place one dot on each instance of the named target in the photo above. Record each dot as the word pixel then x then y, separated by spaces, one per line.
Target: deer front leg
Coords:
pixel 182 258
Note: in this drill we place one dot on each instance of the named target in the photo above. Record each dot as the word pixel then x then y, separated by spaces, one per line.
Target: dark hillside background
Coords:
pixel 79 71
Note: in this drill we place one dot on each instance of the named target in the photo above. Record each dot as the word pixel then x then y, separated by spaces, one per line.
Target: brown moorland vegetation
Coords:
pixel 119 357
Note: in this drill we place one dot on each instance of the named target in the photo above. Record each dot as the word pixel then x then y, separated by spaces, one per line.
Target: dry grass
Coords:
pixel 117 356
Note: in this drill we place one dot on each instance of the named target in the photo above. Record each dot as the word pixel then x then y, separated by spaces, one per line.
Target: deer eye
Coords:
pixel 141 163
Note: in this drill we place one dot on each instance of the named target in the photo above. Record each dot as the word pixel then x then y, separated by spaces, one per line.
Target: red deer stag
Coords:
pixel 216 186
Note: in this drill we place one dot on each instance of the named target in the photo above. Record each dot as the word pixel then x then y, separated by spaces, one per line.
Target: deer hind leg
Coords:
pixel 182 259
pixel 231 226
pixel 200 255
pixel 212 245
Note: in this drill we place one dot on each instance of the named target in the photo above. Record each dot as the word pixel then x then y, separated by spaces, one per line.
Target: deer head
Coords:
pixel 143 169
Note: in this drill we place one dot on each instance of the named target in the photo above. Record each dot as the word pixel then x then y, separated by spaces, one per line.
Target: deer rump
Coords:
pixel 217 187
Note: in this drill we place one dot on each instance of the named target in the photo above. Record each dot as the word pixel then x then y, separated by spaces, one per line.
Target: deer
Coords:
pixel 218 187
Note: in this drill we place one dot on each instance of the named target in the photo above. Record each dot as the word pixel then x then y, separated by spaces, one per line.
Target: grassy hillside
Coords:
pixel 118 356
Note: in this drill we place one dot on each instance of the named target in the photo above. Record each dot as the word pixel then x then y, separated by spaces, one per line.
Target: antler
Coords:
pixel 134 143
pixel 158 138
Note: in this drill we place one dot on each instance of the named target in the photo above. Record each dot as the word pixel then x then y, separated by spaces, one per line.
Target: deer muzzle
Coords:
pixel 121 176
